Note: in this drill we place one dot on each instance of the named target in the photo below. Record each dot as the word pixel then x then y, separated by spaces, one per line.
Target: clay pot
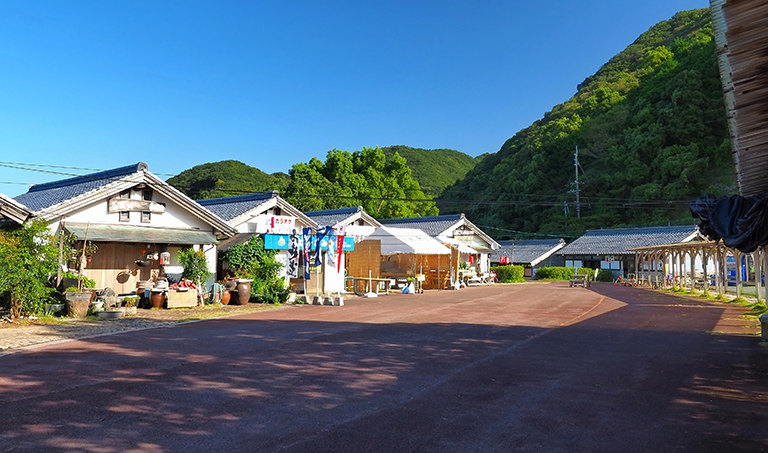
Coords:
pixel 77 304
pixel 243 292
pixel 225 297
pixel 157 299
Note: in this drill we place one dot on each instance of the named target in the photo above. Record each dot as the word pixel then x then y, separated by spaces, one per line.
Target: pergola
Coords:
pixel 705 252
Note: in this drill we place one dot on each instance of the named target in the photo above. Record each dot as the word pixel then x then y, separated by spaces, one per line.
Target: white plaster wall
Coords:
pixel 174 216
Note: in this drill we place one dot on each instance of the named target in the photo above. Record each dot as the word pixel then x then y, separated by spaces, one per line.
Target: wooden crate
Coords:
pixel 182 299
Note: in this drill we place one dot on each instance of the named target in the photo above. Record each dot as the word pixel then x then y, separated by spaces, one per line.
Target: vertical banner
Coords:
pixel 332 255
pixel 321 233
pixel 307 241
pixel 293 254
pixel 339 251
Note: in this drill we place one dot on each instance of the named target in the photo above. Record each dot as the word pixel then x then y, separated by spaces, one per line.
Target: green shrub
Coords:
pixel 28 257
pixel 508 274
pixel 251 260
pixel 87 282
pixel 605 275
pixel 275 292
pixel 561 273
pixel 195 264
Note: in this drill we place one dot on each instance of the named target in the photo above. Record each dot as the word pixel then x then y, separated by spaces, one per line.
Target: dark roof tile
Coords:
pixel 526 251
pixel 432 225
pixel 42 196
pixel 229 208
pixel 332 216
pixel 619 241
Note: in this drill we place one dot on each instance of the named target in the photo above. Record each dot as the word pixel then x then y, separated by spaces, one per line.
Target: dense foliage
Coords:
pixel 195 264
pixel 226 178
pixel 252 261
pixel 561 273
pixel 434 169
pixel 382 185
pixel 509 274
pixel 605 275
pixel 28 258
pixel 651 131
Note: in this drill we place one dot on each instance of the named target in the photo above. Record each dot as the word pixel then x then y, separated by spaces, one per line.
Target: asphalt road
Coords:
pixel 529 367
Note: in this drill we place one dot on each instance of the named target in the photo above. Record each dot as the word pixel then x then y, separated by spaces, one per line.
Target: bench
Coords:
pixel 580 280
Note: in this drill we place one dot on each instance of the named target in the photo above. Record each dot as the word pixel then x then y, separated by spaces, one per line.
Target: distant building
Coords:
pixel 455 230
pixel 612 248
pixel 531 254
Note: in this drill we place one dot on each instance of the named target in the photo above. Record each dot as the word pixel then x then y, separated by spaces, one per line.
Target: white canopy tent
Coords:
pixel 408 240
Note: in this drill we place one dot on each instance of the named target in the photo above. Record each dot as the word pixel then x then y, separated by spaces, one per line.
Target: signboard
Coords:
pixel 128 205
pixel 281 241
pixel 275 224
pixel 463 232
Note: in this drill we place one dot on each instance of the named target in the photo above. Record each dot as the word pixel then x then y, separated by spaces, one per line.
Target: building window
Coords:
pixel 146 195
pixel 146 217
pixel 125 216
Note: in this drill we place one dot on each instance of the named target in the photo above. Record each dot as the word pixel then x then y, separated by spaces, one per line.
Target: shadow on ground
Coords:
pixel 643 377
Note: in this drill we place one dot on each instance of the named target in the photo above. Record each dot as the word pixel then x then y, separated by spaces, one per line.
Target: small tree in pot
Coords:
pixel 195 268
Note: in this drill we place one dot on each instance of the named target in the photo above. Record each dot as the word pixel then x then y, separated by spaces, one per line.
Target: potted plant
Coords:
pixel 130 303
pixel 195 268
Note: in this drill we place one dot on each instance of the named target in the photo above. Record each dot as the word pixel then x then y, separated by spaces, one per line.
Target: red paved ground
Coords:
pixel 531 367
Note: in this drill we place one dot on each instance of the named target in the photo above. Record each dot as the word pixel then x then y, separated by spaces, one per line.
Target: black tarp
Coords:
pixel 741 222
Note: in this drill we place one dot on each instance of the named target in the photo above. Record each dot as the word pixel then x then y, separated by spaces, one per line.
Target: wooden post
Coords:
pixel 719 269
pixel 765 272
pixel 637 272
pixel 692 254
pixel 758 264
pixel 737 255
pixel 704 259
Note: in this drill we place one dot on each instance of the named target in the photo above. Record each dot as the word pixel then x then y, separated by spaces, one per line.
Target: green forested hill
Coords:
pixel 651 131
pixel 434 169
pixel 226 178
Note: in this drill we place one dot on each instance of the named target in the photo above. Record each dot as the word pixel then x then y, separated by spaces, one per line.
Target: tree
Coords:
pixel 383 186
pixel 28 258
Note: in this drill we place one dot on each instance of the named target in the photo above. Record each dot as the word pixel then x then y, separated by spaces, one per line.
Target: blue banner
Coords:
pixel 282 241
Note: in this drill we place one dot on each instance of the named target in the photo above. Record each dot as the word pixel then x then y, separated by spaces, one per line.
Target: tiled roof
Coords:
pixel 41 196
pixel 527 251
pixel 11 211
pixel 432 225
pixel 621 240
pixel 230 207
pixel 332 216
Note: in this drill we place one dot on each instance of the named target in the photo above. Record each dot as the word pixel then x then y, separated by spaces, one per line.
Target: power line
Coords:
pixel 524 200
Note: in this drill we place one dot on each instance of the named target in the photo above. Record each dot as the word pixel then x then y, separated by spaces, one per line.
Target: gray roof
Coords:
pixel 527 251
pixel 12 211
pixel 230 207
pixel 432 225
pixel 332 216
pixel 619 241
pixel 439 224
pixel 42 196
pixel 139 234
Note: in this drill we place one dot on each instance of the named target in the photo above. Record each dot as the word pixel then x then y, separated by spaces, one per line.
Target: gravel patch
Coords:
pixel 27 332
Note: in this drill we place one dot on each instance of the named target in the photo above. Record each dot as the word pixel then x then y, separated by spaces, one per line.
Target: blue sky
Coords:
pixel 102 84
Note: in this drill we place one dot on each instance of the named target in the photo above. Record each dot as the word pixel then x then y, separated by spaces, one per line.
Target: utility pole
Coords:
pixel 576 166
